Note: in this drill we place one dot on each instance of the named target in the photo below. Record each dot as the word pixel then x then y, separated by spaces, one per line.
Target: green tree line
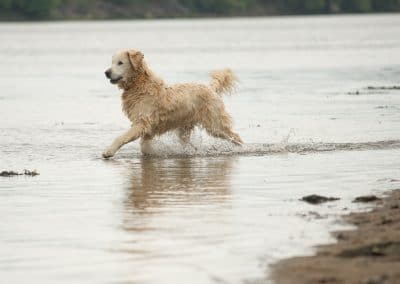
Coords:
pixel 64 9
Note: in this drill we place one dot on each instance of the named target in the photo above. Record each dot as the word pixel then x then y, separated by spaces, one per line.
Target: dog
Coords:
pixel 155 107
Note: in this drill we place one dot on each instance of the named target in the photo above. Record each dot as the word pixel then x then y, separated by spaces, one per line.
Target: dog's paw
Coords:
pixel 237 142
pixel 108 154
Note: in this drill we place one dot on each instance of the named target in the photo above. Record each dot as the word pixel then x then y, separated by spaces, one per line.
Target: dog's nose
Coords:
pixel 108 73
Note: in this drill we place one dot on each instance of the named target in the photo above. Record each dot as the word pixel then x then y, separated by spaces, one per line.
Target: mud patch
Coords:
pixel 370 254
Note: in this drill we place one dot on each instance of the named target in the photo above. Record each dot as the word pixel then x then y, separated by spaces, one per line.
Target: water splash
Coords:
pixel 222 148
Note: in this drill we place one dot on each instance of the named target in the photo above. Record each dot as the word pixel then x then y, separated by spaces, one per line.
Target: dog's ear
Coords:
pixel 136 58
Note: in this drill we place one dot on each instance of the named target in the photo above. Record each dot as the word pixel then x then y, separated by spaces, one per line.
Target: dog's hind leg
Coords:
pixel 226 134
pixel 233 137
pixel 145 145
pixel 220 126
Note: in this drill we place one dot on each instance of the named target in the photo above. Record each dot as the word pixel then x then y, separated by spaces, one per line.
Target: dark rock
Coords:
pixel 341 236
pixel 366 198
pixel 318 199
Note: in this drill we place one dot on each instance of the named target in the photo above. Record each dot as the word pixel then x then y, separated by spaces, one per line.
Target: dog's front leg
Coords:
pixel 129 136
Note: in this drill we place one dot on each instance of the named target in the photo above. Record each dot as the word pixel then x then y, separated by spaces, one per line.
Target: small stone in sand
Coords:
pixel 318 199
pixel 366 198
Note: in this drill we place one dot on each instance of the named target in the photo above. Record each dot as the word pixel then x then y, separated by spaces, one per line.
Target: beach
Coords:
pixel 370 253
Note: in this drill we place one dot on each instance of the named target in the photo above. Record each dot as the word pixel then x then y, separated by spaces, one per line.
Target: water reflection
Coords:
pixel 174 211
pixel 159 185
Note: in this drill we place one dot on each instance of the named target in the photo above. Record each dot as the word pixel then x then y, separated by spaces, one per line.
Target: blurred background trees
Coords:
pixel 29 9
pixel 78 9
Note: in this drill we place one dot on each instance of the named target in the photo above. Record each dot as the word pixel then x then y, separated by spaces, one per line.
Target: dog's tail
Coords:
pixel 223 81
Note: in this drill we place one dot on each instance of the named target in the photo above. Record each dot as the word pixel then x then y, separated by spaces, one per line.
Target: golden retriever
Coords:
pixel 155 108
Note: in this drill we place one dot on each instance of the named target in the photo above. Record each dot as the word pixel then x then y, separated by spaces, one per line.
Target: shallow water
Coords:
pixel 218 214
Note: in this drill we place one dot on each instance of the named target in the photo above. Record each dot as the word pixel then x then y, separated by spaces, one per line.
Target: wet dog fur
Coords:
pixel 155 108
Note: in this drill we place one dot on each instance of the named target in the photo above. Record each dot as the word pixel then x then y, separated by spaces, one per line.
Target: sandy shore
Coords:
pixel 368 255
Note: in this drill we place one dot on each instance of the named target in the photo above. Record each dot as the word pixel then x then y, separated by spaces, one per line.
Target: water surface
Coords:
pixel 220 214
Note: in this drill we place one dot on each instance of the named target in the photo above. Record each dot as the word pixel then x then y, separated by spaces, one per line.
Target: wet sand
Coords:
pixel 370 254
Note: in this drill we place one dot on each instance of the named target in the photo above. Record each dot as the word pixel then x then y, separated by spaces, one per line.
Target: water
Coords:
pixel 220 214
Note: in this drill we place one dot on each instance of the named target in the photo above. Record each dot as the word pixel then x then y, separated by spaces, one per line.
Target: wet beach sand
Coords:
pixel 370 254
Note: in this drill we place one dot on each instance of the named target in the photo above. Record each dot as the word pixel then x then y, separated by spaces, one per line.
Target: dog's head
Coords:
pixel 125 65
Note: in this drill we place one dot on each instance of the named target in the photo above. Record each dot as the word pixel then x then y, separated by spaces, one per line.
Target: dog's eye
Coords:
pixel 120 63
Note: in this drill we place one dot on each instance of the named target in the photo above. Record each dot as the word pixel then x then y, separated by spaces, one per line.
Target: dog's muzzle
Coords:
pixel 112 80
pixel 108 73
pixel 115 81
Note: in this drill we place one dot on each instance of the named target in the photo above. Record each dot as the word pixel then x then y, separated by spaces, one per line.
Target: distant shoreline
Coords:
pixel 192 17
pixel 61 10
